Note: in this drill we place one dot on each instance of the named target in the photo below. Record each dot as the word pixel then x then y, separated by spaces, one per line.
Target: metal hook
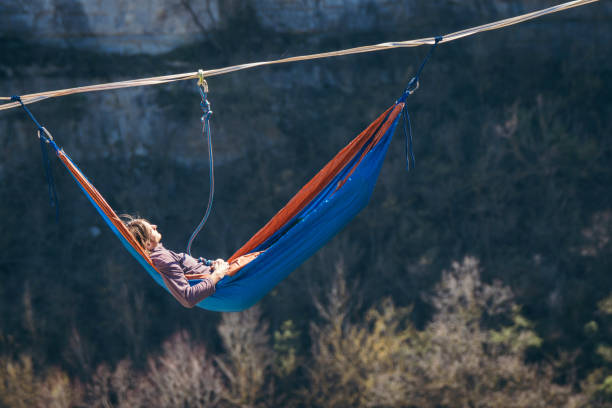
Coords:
pixel 202 82
pixel 413 85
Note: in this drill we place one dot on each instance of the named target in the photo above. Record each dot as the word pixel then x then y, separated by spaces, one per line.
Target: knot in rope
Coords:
pixel 43 133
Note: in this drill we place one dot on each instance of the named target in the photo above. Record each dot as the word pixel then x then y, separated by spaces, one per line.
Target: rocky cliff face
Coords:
pixel 112 25
pixel 130 122
pixel 158 26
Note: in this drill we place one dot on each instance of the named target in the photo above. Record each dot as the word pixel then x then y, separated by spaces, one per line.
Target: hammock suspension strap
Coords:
pixel 45 138
pixel 412 86
pixel 206 132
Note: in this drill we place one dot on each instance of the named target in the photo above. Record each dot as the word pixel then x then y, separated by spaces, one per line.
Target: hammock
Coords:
pixel 311 218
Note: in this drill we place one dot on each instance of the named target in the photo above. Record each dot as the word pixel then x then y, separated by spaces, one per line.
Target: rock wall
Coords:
pixel 124 26
pixel 158 26
pixel 147 116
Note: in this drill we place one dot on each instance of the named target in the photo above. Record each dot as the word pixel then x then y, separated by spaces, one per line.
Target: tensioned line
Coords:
pixel 37 97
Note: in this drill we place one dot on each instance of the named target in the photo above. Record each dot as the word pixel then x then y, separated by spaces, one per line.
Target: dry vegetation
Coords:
pixel 471 353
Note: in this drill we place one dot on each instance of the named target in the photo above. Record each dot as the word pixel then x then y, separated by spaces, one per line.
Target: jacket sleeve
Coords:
pixel 178 285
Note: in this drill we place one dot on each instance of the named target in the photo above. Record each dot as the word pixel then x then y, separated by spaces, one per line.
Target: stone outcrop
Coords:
pixel 158 26
pixel 124 26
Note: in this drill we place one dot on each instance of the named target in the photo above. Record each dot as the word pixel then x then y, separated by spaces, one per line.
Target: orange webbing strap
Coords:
pixel 318 182
pixel 104 206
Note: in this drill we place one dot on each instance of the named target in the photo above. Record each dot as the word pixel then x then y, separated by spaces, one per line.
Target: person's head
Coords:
pixel 143 231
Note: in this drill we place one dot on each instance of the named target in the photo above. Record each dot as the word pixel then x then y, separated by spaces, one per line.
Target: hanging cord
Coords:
pixel 45 138
pixel 413 85
pixel 206 114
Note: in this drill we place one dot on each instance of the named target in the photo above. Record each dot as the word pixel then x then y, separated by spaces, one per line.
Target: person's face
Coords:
pixel 155 236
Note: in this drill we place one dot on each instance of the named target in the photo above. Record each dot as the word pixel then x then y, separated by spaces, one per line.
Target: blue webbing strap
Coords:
pixel 45 138
pixel 413 85
pixel 206 114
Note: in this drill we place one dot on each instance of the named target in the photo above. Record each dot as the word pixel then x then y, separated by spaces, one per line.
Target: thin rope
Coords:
pixel 37 97
pixel 206 114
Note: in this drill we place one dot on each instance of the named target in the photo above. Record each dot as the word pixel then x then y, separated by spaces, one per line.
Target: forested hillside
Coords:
pixel 480 278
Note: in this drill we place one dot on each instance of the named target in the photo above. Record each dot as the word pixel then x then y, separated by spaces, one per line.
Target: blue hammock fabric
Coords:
pixel 334 205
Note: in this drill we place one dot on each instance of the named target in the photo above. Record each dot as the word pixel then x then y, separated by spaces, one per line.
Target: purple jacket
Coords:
pixel 173 267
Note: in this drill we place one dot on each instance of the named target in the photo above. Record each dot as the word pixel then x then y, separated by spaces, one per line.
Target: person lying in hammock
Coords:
pixel 175 267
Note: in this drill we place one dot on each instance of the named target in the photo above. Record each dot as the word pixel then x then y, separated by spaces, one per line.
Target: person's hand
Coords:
pixel 219 264
pixel 220 268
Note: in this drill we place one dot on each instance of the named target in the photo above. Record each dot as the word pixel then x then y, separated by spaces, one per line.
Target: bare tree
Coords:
pixel 22 386
pixel 248 359
pixel 598 385
pixel 57 391
pixel 183 375
pixel 112 388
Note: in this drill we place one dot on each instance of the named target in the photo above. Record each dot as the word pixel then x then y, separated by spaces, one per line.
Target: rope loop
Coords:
pixel 43 133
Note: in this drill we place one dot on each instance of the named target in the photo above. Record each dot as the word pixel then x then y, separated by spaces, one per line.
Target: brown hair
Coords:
pixel 138 228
